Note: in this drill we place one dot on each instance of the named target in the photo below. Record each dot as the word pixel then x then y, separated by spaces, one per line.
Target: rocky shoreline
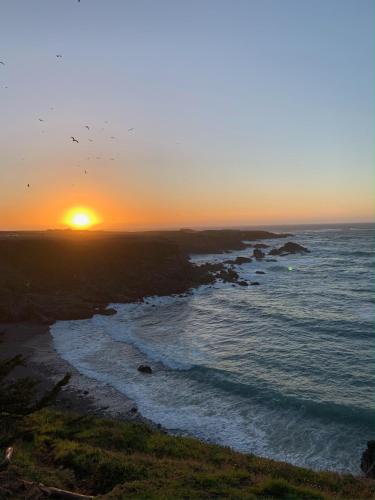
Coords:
pixel 59 276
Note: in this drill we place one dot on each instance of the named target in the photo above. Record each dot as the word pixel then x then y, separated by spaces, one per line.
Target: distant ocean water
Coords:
pixel 284 370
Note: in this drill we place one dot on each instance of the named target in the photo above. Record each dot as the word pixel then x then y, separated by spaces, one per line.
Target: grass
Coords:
pixel 116 460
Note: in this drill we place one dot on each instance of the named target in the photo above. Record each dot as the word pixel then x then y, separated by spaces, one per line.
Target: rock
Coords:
pixel 254 283
pixel 271 260
pixel 288 248
pixel 144 369
pixel 108 311
pixel 261 245
pixel 368 460
pixel 134 410
pixel 260 272
pixel 228 276
pixel 243 260
pixel 238 261
pixel 243 283
pixel 258 254
pixel 85 392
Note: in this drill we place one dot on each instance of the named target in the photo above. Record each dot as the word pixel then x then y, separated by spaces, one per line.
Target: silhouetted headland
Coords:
pixel 51 275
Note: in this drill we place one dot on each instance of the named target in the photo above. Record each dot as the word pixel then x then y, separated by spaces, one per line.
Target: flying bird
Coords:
pixel 130 129
pixel 3 63
pixel 85 171
pixel 28 185
pixel 91 140
pixel 112 137
pixel 40 119
pixel 58 55
pixel 86 126
pixel 74 139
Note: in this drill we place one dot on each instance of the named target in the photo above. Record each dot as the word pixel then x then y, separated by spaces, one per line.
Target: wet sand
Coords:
pixel 82 394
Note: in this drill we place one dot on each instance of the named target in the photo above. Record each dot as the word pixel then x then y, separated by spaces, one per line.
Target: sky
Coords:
pixel 244 112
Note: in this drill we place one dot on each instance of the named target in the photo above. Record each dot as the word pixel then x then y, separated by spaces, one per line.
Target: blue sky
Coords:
pixel 257 111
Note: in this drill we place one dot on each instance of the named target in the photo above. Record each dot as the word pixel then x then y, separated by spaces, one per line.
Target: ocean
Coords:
pixel 284 370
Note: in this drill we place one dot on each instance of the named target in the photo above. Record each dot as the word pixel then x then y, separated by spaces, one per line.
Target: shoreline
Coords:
pixel 83 394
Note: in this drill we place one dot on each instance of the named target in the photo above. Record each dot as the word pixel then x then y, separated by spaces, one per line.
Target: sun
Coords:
pixel 80 218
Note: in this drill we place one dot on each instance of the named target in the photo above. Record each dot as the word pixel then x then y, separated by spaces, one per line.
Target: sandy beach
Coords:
pixel 44 364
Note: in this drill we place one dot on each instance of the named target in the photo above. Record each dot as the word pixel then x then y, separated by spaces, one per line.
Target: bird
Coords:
pixel 85 171
pixel 40 119
pixel 58 55
pixel 74 139
pixel 2 62
pixel 91 140
pixel 130 129
pixel 112 137
pixel 28 185
pixel 112 159
pixel 86 126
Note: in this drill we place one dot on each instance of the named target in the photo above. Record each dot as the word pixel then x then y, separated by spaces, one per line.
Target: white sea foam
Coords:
pixel 229 364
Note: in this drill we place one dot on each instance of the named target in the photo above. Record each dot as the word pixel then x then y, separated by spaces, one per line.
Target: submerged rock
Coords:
pixel 288 248
pixel 254 283
pixel 243 283
pixel 368 460
pixel 144 369
pixel 260 272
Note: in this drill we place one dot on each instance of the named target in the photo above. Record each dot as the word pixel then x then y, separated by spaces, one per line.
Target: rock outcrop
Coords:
pixel 368 460
pixel 239 260
pixel 289 248
pixel 145 369
pixel 258 254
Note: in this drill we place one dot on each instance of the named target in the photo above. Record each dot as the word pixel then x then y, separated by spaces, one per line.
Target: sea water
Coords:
pixel 284 370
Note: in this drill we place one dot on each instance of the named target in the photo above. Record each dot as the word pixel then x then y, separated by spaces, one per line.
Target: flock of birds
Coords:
pixel 74 139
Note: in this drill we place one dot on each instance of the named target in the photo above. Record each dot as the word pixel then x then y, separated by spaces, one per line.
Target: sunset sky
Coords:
pixel 245 112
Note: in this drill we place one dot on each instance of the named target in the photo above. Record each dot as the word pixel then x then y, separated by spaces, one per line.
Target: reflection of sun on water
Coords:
pixel 80 218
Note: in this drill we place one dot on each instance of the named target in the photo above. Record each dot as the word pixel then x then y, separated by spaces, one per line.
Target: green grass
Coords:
pixel 116 460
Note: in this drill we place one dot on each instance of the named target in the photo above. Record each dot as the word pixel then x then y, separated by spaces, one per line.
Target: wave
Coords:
pixel 266 395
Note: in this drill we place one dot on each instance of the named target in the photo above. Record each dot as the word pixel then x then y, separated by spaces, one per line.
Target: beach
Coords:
pixel 82 394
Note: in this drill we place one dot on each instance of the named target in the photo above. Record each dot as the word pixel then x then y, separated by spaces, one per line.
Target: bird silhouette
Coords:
pixel 58 55
pixel 40 119
pixel 85 171
pixel 3 63
pixel 91 140
pixel 28 185
pixel 130 129
pixel 86 126
pixel 74 139
pixel 112 137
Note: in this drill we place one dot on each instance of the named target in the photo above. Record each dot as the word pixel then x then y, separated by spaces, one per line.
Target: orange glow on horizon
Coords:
pixel 80 218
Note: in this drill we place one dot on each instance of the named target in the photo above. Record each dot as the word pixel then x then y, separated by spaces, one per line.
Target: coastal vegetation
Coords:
pixel 114 460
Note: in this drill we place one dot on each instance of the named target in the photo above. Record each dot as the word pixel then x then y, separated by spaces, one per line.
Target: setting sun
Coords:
pixel 80 218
